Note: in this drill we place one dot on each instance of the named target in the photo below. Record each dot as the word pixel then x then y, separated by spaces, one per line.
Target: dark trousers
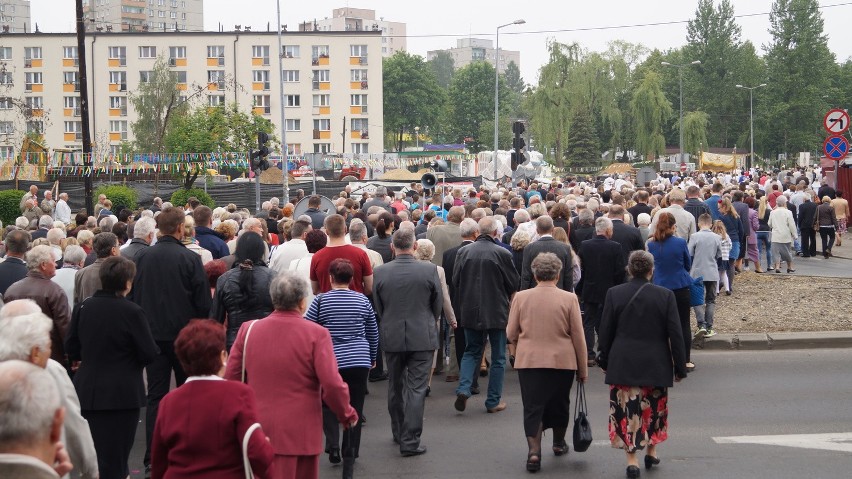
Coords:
pixel 682 297
pixel 159 375
pixel 113 433
pixel 461 344
pixel 356 379
pixel 408 376
pixel 808 241
pixel 591 324
pixel 826 233
pixel 546 395
pixel 380 360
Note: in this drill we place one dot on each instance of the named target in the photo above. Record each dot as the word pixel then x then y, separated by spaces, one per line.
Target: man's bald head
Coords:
pixel 19 307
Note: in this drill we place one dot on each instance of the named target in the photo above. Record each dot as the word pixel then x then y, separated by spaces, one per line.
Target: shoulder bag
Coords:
pixel 245 350
pixel 582 428
pixel 246 439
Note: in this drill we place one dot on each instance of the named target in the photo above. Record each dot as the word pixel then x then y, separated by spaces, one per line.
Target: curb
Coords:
pixel 775 341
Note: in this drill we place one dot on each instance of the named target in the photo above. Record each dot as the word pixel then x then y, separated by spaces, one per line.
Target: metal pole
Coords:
pixel 680 122
pixel 284 173
pixel 496 98
pixel 751 125
pixel 84 107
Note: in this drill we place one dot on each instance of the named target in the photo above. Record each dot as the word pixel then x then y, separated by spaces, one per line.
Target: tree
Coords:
pixel 470 104
pixel 581 148
pixel 412 96
pixel 800 67
pixel 156 102
pixel 443 67
pixel 651 109
pixel 516 86
pixel 695 131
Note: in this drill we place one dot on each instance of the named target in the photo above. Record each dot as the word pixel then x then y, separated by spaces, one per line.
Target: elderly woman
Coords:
pixel 111 338
pixel 425 252
pixel 519 241
pixel 550 348
pixel 826 219
pixel 784 233
pixel 290 364
pixel 190 242
pixel 223 412
pixel 640 347
pixel 349 317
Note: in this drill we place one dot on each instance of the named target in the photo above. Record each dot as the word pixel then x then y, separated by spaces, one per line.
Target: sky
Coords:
pixel 437 24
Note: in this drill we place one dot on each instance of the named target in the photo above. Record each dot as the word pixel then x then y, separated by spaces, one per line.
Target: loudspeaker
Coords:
pixel 428 180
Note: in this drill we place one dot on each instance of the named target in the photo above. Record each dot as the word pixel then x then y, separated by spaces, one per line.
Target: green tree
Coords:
pixel 581 148
pixel 624 59
pixel 443 67
pixel 470 104
pixel 516 85
pixel 651 110
pixel 412 96
pixel 800 67
pixel 156 102
pixel 695 125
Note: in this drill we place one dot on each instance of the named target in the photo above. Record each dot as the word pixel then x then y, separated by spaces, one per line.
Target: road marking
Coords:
pixel 839 441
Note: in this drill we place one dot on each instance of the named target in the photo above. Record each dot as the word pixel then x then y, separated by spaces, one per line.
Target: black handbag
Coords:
pixel 582 428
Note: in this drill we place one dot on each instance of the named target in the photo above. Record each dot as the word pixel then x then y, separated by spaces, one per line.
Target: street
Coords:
pixel 730 395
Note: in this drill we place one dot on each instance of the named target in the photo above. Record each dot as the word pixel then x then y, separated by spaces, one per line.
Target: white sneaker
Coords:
pixel 709 333
pixel 700 333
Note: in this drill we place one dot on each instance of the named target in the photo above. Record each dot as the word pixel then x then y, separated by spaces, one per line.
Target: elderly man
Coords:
pixel 358 237
pixel 45 222
pixel 294 248
pixel 48 204
pixel 546 244
pixel 143 236
pixel 627 235
pixel 72 262
pixel 684 220
pixel 446 236
pixel 31 211
pixel 380 200
pixel 25 336
pixel 29 400
pixel 87 281
pixel 49 296
pixel 469 232
pixel 408 296
pixel 31 195
pixel 14 268
pixel 54 237
pixel 484 278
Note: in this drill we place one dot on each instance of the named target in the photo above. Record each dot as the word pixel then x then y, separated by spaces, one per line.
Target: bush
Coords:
pixel 180 197
pixel 121 197
pixel 10 206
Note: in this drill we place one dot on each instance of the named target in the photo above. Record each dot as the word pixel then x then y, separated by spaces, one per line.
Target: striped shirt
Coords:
pixel 350 319
pixel 726 248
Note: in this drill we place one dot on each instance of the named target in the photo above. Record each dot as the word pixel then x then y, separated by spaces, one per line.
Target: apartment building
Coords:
pixel 15 16
pixel 361 19
pixel 332 82
pixel 144 15
pixel 469 50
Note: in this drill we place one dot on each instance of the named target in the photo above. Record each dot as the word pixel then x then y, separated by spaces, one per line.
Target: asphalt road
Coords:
pixel 731 394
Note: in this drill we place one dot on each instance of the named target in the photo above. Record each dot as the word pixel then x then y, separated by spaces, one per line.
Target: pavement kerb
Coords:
pixel 774 341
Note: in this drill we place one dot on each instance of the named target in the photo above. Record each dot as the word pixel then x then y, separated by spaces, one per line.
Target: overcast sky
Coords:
pixel 438 23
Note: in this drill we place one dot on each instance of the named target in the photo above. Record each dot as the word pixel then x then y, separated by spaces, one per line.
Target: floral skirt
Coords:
pixel 841 226
pixel 638 416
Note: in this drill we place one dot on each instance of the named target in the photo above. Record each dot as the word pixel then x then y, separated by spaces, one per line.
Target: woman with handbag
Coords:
pixel 671 255
pixel 546 328
pixel 641 351
pixel 202 426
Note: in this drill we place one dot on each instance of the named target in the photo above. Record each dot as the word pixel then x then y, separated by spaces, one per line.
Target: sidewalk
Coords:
pixel 773 341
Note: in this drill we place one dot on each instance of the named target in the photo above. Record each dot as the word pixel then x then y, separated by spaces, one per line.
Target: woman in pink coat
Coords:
pixel 290 364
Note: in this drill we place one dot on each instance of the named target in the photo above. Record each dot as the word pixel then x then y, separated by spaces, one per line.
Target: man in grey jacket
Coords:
pixel 705 247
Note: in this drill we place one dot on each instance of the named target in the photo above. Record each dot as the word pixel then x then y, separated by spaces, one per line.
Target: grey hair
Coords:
pixel 425 250
pixel 469 227
pixel 520 240
pixel 19 334
pixel 19 307
pixel 640 264
pixel 546 267
pixel 357 231
pixel 643 219
pixel 73 254
pixel 536 209
pixel 55 235
pixel 22 223
pixel 287 291
pixel 781 201
pixel 602 224
pixel 38 255
pixel 403 240
pixel 250 223
pixel 45 221
pixel 521 216
pixel 544 224
pixel 488 226
pixel 147 214
pixel 144 227
pixel 85 236
pixel 166 204
pixel 29 400
pixel 586 217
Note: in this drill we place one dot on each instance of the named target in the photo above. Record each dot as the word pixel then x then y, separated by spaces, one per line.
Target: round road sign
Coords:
pixel 836 121
pixel 683 167
pixel 836 147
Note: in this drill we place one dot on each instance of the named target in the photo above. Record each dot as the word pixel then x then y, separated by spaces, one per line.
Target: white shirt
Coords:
pixel 302 267
pixel 209 377
pixel 65 279
pixel 63 212
pixel 285 254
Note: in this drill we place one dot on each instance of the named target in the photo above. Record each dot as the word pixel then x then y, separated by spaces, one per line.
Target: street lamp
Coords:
pixel 284 178
pixel 519 21
pixel 417 137
pixel 751 90
pixel 680 81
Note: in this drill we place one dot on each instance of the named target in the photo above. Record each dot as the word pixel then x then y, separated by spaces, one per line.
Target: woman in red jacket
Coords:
pixel 201 425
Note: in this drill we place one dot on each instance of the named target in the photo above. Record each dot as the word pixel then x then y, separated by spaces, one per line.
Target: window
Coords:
pixel 292 100
pixel 262 52
pixel 294 148
pixel 7 151
pixel 72 101
pixel 317 52
pixel 261 76
pixel 322 100
pixel 161 3
pixel 32 53
pixel 70 77
pixel 181 76
pixel 322 147
pixel 173 15
pixel 176 52
pixel 216 51
pixel 360 124
pixel 5 103
pixel 216 77
pixel 358 100
pixel 216 100
pixel 161 14
pixel 118 53
pixel 290 76
pixel 360 148
pixel 146 76
pixel 6 53
pixel 118 126
pixel 30 79
pixel 35 126
pixel 293 125
pixel 359 75
pixel 148 52
pixel 7 127
pixel 118 103
pixel 290 51
pixel 322 75
pixel 357 50
pixel 118 78
pixel 69 52
pixel 6 78
pixel 322 125
pixel 35 102
pixel 262 102
pixel 74 127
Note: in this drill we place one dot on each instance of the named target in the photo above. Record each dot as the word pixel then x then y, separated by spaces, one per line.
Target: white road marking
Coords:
pixel 839 441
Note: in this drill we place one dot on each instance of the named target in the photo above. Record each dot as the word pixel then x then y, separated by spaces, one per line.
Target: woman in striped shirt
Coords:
pixel 350 319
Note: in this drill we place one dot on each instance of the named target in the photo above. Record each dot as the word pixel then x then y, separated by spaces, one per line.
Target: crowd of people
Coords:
pixel 272 325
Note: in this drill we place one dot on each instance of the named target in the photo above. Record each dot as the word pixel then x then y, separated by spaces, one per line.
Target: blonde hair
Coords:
pixel 719 229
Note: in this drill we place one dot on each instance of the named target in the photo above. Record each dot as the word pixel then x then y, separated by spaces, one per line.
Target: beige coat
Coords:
pixel 545 326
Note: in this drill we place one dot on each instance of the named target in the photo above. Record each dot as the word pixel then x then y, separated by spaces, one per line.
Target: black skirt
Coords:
pixel 546 394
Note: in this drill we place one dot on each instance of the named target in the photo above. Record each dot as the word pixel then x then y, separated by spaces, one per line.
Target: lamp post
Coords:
pixel 520 21
pixel 680 82
pixel 284 178
pixel 417 137
pixel 751 90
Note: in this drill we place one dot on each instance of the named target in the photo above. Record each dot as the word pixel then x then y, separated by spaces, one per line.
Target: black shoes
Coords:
pixel 534 465
pixel 414 452
pixel 334 455
pixel 474 391
pixel 378 377
pixel 461 402
pixel 633 472
pixel 651 461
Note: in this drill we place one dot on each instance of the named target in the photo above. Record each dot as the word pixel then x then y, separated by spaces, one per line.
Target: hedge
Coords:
pixel 10 205
pixel 121 197
pixel 180 197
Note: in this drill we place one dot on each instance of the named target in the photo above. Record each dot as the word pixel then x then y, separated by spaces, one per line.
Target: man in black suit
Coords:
pixel 807 218
pixel 694 204
pixel 520 217
pixel 640 207
pixel 546 244
pixel 45 222
pixel 628 236
pixel 582 228
pixel 603 263
pixel 14 268
pixel 469 231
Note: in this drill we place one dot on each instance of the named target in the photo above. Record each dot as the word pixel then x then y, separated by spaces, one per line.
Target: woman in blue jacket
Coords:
pixel 734 227
pixel 672 264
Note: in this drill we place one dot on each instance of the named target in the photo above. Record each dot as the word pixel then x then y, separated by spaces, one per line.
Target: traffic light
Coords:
pixel 258 158
pixel 518 144
pixel 517 159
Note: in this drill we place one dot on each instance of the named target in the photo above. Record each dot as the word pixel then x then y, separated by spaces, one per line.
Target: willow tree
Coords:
pixel 157 102
pixel 695 124
pixel 651 110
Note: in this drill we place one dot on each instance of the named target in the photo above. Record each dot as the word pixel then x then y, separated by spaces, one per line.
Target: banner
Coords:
pixel 717 161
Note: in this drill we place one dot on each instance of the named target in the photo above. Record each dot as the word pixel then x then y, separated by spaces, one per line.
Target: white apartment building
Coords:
pixel 361 19
pixel 15 16
pixel 332 82
pixel 469 50
pixel 144 15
